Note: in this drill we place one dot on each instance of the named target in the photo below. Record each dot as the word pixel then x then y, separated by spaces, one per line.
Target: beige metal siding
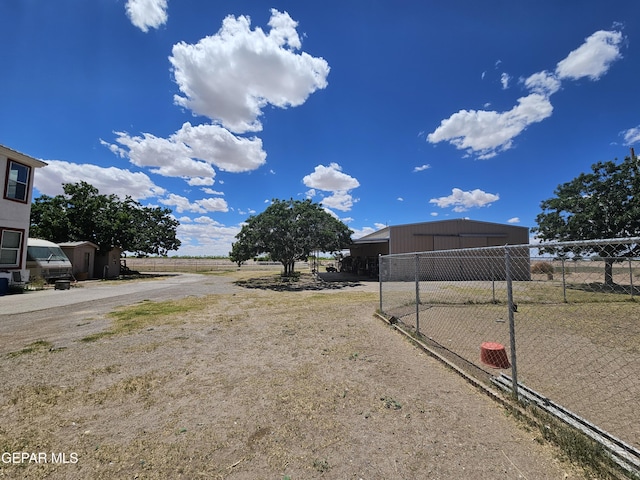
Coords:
pixel 453 234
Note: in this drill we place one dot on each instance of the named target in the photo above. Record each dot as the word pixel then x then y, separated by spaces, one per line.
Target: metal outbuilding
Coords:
pixel 431 236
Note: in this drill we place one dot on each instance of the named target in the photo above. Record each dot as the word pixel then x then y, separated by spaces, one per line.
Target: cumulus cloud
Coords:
pixel 204 236
pixel 164 156
pixel 110 180
pixel 426 166
pixel 332 179
pixel 191 152
pixel 183 204
pixel 484 133
pixel 514 220
pixel 593 58
pixel 231 76
pixel 146 14
pixel 342 201
pixel 462 201
pixel 631 136
pixel 217 146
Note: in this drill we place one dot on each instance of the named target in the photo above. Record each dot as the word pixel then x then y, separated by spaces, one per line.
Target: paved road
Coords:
pixel 63 316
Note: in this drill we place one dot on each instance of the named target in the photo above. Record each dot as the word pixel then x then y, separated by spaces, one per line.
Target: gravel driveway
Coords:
pixel 62 316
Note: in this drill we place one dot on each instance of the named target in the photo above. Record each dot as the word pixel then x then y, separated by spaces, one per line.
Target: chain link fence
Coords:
pixel 557 324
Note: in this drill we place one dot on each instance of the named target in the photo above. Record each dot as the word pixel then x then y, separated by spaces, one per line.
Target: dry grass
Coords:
pixel 263 384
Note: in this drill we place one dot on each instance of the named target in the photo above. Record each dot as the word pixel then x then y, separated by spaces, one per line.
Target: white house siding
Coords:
pixel 14 214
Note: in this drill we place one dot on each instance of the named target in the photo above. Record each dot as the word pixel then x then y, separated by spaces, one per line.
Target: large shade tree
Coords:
pixel 289 230
pixel 83 214
pixel 602 204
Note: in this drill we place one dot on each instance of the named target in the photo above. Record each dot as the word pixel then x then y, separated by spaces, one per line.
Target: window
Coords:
pixel 17 181
pixel 10 248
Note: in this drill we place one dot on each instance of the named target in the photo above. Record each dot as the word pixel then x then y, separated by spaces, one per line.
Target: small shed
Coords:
pixel 82 256
pixel 107 264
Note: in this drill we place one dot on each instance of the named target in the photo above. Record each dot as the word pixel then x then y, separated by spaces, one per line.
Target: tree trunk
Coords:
pixel 288 267
pixel 608 271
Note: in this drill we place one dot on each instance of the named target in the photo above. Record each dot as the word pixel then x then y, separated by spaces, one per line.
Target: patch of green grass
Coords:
pixel 147 313
pixel 37 346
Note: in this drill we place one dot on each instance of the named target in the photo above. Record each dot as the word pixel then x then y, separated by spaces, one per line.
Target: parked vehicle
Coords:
pixel 47 260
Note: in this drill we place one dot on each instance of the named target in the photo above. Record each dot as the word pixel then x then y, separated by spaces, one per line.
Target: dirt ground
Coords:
pixel 271 382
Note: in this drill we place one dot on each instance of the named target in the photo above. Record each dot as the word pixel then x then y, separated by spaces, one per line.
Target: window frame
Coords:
pixel 19 250
pixel 27 185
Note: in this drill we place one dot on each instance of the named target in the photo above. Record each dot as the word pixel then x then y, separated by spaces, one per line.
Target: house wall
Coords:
pixel 15 215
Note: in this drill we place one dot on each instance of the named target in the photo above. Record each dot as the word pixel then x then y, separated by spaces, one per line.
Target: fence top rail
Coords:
pixel 504 248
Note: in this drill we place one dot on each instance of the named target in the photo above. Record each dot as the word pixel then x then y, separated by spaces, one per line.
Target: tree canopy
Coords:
pixel 602 204
pixel 289 230
pixel 83 214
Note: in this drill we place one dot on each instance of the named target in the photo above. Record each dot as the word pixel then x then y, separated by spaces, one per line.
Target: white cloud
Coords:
pixel 191 152
pixel 204 236
pixel 342 201
pixel 108 181
pixel 183 204
pixel 200 181
pixel 485 133
pixel 146 14
pixel 543 83
pixel 164 156
pixel 461 201
pixel 514 220
pixel 231 76
pixel 422 167
pixel 631 136
pixel 210 191
pixel 359 233
pixel 593 58
pixel 217 146
pixel 332 179
pixel 504 80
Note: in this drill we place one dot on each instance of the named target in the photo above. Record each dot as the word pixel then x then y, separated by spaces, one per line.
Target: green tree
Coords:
pixel 602 204
pixel 83 214
pixel 289 230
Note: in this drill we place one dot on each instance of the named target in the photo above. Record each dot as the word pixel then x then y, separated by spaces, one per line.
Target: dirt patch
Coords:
pixel 258 384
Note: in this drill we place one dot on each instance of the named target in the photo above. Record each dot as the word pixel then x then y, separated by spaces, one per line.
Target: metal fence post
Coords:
pixel 631 278
pixel 417 276
pixel 512 326
pixel 564 282
pixel 380 270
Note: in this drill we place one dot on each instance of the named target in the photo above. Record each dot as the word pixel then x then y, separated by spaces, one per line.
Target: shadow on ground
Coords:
pixel 305 281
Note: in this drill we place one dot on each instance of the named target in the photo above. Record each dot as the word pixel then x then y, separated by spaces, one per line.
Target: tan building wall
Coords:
pixel 82 256
pixel 448 235
pixel 453 234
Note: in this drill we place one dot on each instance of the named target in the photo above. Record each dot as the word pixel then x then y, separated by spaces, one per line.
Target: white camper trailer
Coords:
pixel 47 260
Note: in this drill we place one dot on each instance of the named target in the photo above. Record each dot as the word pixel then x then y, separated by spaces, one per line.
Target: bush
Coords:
pixel 541 267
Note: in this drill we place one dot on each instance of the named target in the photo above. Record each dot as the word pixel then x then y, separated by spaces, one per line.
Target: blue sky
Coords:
pixel 386 112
